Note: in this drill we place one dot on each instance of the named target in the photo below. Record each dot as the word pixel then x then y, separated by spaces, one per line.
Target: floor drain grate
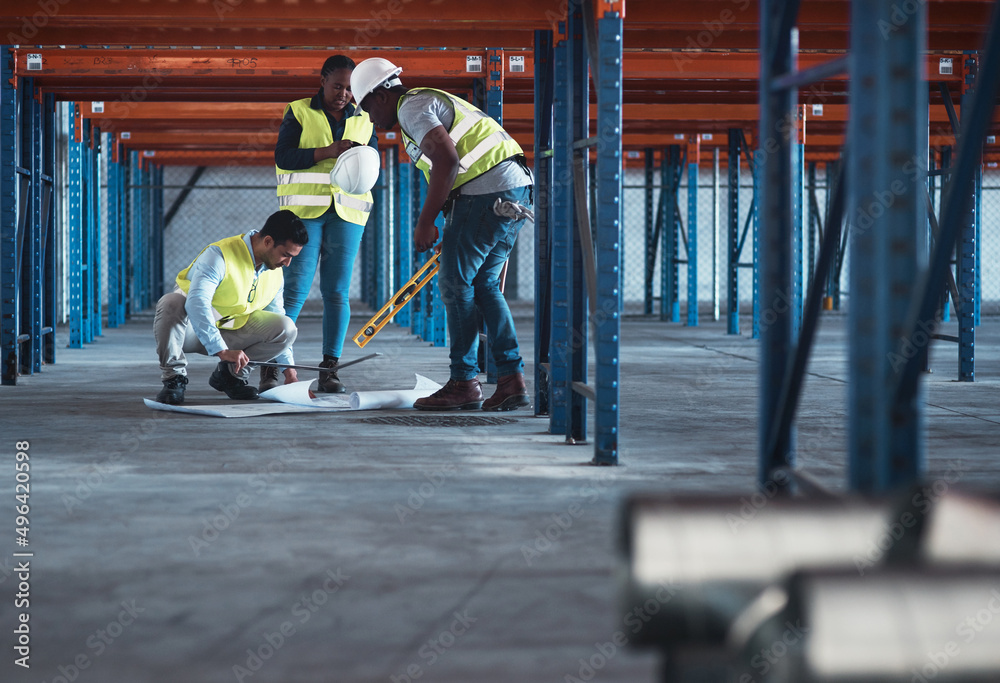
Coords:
pixel 438 420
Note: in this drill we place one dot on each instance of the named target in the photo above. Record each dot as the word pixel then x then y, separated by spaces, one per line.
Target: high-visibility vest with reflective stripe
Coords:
pixel 307 193
pixel 480 141
pixel 233 303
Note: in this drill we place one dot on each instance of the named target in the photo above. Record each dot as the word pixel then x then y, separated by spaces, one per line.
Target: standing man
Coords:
pixel 477 175
pixel 228 303
pixel 314 132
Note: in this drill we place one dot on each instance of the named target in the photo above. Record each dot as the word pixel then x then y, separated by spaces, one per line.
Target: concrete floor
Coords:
pixel 174 548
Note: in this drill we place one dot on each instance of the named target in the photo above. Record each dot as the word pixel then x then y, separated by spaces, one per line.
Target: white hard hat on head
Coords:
pixel 356 170
pixel 372 74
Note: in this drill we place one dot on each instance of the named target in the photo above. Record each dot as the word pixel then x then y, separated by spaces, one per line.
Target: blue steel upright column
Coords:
pixel 607 326
pixel 887 123
pixel 562 201
pixel 494 109
pixel 967 267
pixel 31 265
pixel 8 220
pixel 693 153
pixel 776 227
pixel 578 91
pixel 733 221
pixel 404 235
pixel 543 211
pixel 75 233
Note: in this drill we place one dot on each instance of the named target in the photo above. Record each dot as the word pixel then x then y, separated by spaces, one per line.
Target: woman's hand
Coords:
pixel 333 150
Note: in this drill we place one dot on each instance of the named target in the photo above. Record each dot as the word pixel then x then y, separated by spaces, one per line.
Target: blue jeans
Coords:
pixel 475 245
pixel 333 246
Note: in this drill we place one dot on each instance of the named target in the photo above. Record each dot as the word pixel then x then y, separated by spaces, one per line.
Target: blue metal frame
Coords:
pixel 157 289
pixel 692 242
pixel 733 221
pixel 979 244
pixel 404 235
pixel 650 240
pixel 888 120
pixel 607 329
pixel 93 319
pixel 967 265
pixel 755 323
pixel 562 225
pixel 75 220
pixel 800 207
pixel 48 229
pixel 776 234
pixel 544 77
pixel 117 262
pixel 9 289
pixel 578 99
pixel 30 271
pixel 670 306
pixel 494 109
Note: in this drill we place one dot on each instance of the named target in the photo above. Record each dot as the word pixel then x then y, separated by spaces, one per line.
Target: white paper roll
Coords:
pixel 400 398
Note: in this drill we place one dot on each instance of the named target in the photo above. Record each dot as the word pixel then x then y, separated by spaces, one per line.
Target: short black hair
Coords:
pixel 336 62
pixel 283 226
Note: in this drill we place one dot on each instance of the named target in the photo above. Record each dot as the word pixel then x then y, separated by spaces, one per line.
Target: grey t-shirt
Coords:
pixel 423 111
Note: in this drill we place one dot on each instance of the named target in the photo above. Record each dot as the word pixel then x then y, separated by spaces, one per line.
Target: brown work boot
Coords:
pixel 511 394
pixel 455 395
pixel 329 383
pixel 270 377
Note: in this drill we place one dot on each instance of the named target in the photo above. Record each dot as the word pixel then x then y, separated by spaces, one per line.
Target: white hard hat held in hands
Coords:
pixel 372 74
pixel 356 171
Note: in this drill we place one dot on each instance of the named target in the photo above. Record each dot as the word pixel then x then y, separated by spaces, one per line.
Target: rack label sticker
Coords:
pixel 97 107
pixel 991 139
pixel 516 64
pixel 474 64
pixel 126 135
pixel 34 62
pixel 632 154
pixel 680 136
pixel 946 66
pixel 817 109
pixel 706 136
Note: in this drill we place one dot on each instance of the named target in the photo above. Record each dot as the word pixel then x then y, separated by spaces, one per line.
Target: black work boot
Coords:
pixel 329 383
pixel 236 387
pixel 270 377
pixel 455 395
pixel 172 392
pixel 511 394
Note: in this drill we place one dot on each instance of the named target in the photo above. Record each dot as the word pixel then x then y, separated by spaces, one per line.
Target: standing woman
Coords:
pixel 314 132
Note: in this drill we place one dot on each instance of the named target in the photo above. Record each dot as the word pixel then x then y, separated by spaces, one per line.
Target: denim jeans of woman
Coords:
pixel 332 248
pixel 474 247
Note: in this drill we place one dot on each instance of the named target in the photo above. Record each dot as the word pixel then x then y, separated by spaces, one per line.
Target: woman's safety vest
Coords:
pixel 307 193
pixel 480 141
pixel 242 291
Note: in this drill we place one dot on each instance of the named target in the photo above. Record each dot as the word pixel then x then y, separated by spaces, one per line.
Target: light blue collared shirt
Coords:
pixel 206 274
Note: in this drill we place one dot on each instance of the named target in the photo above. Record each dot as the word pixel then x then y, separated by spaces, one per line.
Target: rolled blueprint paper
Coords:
pixel 400 398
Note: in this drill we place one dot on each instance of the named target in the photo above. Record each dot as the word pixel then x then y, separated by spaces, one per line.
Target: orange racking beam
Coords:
pixel 709 24
pixel 223 66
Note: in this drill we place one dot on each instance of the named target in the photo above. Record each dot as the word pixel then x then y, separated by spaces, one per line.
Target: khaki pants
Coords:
pixel 264 336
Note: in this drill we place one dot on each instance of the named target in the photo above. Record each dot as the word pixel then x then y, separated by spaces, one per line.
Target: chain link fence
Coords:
pixel 226 200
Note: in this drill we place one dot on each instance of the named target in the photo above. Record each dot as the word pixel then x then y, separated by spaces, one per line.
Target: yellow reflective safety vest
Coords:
pixel 307 193
pixel 242 291
pixel 480 141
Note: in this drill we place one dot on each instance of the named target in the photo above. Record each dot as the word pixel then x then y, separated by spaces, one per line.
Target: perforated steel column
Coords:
pixel 609 238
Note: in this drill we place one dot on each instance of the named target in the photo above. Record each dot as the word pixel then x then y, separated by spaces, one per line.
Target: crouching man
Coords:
pixel 228 303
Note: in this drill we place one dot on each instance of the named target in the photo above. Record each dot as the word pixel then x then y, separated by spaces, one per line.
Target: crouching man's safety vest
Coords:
pixel 480 141
pixel 242 291
pixel 307 193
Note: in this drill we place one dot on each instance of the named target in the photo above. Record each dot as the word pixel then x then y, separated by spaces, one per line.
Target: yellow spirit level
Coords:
pixel 398 300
